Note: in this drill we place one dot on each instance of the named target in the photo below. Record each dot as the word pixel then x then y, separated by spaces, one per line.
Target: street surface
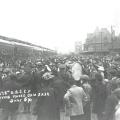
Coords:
pixel 25 116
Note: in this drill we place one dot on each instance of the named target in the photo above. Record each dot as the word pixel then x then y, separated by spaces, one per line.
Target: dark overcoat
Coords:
pixel 99 97
pixel 46 106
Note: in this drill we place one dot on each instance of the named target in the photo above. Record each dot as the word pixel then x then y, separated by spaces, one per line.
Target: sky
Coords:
pixel 57 24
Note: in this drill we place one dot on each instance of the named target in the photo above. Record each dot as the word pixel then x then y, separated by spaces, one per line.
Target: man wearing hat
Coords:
pixel 46 106
pixel 101 70
pixel 9 109
pixel 88 90
pixel 75 98
pixel 61 85
pixel 27 82
pixel 99 96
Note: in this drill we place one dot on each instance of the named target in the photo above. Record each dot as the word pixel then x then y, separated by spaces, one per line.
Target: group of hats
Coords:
pixel 101 68
pixel 47 76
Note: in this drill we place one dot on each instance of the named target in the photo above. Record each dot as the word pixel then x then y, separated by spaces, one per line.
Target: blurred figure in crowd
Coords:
pixel 75 99
pixel 26 81
pixel 46 106
pixel 99 96
pixel 9 109
pixel 88 90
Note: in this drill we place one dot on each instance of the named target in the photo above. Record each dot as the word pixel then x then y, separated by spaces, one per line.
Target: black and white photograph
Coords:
pixel 59 60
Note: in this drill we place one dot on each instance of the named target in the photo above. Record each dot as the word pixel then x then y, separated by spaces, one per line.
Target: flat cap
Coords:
pixel 62 66
pixel 84 77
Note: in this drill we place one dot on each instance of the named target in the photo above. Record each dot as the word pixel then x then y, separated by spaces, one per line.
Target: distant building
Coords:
pixel 99 41
pixel 78 47
pixel 102 41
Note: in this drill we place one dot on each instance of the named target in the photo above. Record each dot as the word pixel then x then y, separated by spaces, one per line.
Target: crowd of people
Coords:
pixel 76 85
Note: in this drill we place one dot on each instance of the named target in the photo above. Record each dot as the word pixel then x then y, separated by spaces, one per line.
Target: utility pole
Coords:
pixel 101 40
pixel 95 44
pixel 112 38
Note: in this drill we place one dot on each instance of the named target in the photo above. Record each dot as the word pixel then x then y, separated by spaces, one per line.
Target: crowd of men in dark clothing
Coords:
pixel 95 91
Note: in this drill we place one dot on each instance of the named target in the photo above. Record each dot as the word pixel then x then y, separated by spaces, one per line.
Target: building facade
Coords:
pixel 102 41
pixel 78 47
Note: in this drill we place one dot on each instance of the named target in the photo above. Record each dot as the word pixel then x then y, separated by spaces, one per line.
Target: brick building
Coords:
pixel 102 41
